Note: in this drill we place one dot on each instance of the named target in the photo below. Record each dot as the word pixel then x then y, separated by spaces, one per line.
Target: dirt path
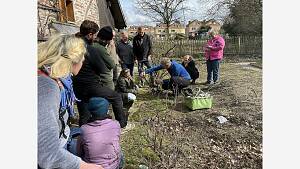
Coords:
pixel 170 136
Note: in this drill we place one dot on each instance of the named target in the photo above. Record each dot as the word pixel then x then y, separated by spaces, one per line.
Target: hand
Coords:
pixel 158 81
pixel 84 165
pixel 136 87
pixel 135 61
pixel 142 74
pixel 149 57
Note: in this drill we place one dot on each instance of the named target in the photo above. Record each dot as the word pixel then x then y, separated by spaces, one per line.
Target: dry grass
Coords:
pixel 171 136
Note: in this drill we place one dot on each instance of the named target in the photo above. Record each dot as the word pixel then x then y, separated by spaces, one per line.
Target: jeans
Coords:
pixel 122 161
pixel 213 67
pixel 71 145
pixel 84 93
pixel 128 66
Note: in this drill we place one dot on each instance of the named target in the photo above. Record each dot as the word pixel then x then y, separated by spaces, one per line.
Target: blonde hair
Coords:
pixel 60 52
pixel 214 32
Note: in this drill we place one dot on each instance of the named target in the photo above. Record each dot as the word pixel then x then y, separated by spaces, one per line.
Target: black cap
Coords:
pixel 105 33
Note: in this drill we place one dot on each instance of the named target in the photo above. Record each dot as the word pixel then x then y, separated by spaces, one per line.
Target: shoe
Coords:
pixel 207 83
pixel 217 82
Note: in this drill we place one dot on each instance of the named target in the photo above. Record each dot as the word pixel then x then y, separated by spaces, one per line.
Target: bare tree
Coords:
pixel 162 11
pixel 216 9
pixel 240 17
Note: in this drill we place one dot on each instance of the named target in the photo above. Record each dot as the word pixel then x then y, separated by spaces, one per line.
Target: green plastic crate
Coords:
pixel 195 103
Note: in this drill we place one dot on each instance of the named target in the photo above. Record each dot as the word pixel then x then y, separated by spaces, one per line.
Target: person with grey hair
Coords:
pixel 214 50
pixel 125 52
pixel 180 78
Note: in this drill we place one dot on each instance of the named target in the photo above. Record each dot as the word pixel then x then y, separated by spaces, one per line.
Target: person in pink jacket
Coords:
pixel 99 142
pixel 213 55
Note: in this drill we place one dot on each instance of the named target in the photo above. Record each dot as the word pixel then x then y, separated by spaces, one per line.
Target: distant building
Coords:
pixel 132 30
pixel 65 16
pixel 193 27
pixel 174 29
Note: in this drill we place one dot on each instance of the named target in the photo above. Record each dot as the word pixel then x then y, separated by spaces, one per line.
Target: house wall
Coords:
pixel 83 9
pixel 86 9
pixel 192 27
pixel 44 18
pixel 161 30
pixel 105 16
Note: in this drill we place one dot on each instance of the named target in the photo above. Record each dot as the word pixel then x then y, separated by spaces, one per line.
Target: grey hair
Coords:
pixel 165 61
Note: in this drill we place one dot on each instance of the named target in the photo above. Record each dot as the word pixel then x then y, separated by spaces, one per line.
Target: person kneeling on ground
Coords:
pixel 99 142
pixel 127 88
pixel 180 78
pixel 189 64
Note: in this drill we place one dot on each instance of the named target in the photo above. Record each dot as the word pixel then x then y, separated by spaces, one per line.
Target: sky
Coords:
pixel 135 16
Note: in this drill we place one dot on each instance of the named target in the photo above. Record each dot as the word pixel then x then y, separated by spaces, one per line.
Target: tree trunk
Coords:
pixel 168 31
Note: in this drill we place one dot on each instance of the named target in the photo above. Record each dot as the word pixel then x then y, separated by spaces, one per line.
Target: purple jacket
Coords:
pixel 217 43
pixel 100 143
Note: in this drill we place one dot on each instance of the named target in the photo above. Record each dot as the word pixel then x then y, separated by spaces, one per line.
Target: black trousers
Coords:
pixel 175 81
pixel 84 93
pixel 115 74
pixel 129 66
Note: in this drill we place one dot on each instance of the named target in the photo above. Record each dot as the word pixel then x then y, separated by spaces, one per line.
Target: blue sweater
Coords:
pixel 176 69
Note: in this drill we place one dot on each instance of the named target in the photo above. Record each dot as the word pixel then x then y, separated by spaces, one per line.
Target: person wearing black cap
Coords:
pixel 90 81
pixel 104 38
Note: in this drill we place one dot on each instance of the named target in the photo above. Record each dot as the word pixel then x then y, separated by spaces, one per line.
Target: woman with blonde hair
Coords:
pixel 214 49
pixel 58 58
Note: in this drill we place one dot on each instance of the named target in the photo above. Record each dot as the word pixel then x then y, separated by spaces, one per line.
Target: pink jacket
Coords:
pixel 100 143
pixel 216 52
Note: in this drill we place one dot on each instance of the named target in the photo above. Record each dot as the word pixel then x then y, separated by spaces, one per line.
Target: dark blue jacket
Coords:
pixel 176 69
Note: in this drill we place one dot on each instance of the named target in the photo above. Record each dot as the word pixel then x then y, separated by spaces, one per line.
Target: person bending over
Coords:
pixel 180 78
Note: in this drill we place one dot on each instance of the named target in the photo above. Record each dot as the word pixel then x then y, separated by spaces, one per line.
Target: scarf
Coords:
pixel 67 94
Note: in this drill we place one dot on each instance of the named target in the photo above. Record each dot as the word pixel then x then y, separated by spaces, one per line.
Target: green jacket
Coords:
pixel 125 86
pixel 107 76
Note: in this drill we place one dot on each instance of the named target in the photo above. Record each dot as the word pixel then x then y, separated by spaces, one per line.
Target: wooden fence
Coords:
pixel 241 46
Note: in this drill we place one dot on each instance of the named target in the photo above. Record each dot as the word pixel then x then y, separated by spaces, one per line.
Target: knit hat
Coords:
pixel 98 106
pixel 105 33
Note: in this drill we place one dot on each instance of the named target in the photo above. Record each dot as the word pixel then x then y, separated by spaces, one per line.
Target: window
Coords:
pixel 159 30
pixel 173 30
pixel 66 11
